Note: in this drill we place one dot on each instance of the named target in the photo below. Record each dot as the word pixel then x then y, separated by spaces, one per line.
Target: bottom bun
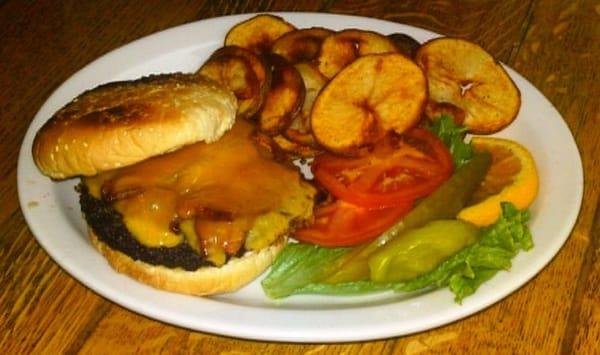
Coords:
pixel 236 273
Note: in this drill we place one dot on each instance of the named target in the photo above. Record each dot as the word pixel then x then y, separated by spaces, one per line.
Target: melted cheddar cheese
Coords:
pixel 229 177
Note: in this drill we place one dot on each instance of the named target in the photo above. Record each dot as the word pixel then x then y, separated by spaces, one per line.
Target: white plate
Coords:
pixel 52 212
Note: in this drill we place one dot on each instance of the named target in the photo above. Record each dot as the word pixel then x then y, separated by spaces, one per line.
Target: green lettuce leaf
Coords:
pixel 453 137
pixel 299 267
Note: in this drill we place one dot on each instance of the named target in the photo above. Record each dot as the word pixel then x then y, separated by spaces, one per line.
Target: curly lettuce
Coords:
pixel 453 137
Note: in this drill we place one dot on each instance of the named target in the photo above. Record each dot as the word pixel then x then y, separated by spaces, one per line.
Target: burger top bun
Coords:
pixel 122 123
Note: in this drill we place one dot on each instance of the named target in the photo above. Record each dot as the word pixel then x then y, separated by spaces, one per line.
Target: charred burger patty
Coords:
pixel 108 225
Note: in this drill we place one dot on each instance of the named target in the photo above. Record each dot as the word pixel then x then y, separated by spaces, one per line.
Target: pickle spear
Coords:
pixel 444 203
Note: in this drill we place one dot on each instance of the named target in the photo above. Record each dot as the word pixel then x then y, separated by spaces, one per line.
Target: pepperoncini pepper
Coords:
pixel 420 250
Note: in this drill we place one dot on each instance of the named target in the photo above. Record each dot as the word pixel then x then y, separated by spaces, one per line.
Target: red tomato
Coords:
pixel 397 170
pixel 342 224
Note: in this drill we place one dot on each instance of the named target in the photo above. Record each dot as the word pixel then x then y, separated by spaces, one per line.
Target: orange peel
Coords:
pixel 512 177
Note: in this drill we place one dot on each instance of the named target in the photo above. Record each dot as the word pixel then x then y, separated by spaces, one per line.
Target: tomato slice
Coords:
pixel 340 224
pixel 396 171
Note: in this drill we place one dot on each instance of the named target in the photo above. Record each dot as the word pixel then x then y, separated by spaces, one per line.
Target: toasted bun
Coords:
pixel 122 123
pixel 204 281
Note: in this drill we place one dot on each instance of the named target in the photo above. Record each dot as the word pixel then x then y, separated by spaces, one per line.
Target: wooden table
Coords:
pixel 553 43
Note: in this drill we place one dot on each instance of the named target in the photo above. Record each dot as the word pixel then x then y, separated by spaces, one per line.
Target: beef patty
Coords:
pixel 108 225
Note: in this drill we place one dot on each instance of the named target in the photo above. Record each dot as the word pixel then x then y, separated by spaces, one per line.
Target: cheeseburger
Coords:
pixel 175 192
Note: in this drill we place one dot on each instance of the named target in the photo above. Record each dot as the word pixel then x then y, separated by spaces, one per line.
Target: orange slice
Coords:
pixel 512 177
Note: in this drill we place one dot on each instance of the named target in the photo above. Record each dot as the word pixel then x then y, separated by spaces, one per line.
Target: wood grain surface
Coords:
pixel 554 43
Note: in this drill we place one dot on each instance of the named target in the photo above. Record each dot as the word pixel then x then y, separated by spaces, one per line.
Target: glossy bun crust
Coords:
pixel 122 123
pixel 236 273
